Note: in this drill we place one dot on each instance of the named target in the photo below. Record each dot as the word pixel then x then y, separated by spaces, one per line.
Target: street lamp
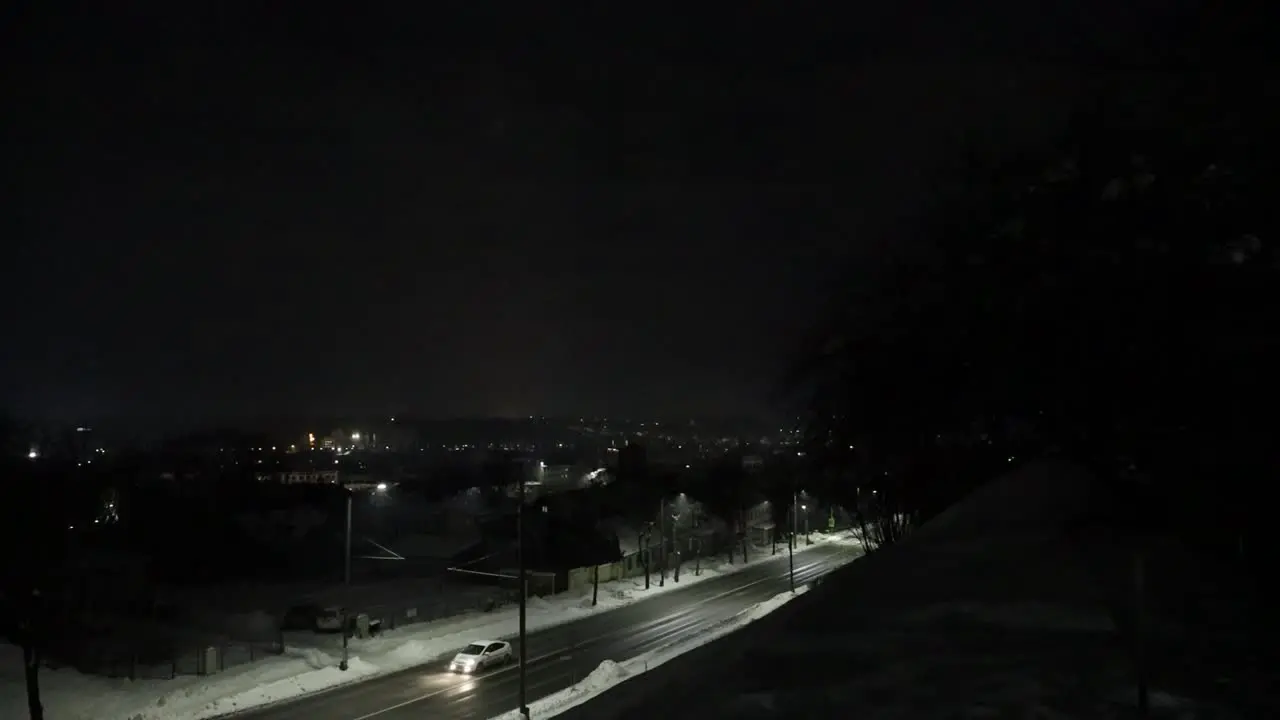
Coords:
pixel 680 509
pixel 662 543
pixel 791 542
pixel 523 582
pixel 346 569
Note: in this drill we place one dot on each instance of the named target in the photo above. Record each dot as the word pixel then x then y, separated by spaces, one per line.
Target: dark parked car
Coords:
pixel 300 617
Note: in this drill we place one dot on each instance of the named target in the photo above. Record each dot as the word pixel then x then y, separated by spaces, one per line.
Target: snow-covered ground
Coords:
pixel 68 695
pixel 610 673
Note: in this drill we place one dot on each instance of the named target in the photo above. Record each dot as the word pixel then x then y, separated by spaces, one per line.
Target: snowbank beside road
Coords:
pixel 610 673
pixel 69 695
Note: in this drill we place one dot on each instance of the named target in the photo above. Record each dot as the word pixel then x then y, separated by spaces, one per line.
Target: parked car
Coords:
pixel 300 617
pixel 329 619
pixel 480 655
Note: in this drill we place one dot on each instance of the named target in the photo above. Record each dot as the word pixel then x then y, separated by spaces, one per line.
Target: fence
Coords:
pixel 680 552
pixel 689 549
pixel 137 651
pixel 449 599
pixel 468 591
pixel 214 658
pixel 541 584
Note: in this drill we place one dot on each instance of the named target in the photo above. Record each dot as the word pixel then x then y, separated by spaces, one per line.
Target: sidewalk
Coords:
pixel 68 695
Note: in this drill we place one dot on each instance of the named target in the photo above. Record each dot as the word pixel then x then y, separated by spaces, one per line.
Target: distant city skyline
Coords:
pixel 161 427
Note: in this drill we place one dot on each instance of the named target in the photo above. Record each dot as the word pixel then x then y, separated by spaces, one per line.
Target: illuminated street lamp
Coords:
pixel 524 596
pixel 791 542
pixel 346 570
pixel 346 574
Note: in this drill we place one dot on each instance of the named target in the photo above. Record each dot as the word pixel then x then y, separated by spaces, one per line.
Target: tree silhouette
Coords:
pixel 32 541
pixel 726 494
pixel 778 483
pixel 1109 291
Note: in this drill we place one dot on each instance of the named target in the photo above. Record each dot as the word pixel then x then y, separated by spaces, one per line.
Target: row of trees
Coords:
pixel 725 488
pixel 1109 296
pixel 33 521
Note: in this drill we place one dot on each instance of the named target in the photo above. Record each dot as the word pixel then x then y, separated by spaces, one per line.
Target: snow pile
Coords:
pixel 610 673
pixel 302 669
pixel 606 675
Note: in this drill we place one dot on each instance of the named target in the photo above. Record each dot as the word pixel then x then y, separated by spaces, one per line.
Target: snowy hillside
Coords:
pixel 1012 604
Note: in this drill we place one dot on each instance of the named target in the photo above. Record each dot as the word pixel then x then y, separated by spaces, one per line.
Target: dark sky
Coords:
pixel 448 214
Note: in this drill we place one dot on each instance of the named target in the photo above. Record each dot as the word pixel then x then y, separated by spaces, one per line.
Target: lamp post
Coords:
pixel 524 708
pixel 646 536
pixel 346 569
pixel 346 580
pixel 662 544
pixel 346 557
pixel 791 545
pixel 346 552
pixel 682 507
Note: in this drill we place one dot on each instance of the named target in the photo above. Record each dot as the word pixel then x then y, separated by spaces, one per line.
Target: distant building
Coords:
pixel 343 440
pixel 300 477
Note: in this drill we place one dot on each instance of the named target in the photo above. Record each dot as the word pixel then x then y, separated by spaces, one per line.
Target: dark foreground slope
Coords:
pixel 1017 602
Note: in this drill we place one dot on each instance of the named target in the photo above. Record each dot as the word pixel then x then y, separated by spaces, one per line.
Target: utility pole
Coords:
pixel 346 558
pixel 662 544
pixel 346 578
pixel 346 625
pixel 675 547
pixel 791 546
pixel 647 553
pixel 1139 632
pixel 524 708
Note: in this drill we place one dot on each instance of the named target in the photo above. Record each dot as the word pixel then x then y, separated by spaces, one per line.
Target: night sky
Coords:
pixel 446 214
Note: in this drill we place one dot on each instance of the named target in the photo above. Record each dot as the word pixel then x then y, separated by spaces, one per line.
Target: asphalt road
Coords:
pixel 559 656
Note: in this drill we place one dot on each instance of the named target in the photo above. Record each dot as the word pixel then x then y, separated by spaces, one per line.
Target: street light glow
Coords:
pixel 382 487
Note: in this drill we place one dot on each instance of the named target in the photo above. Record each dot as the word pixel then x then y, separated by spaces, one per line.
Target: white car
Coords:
pixel 481 654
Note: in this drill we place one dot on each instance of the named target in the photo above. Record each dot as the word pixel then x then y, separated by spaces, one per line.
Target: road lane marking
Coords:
pixel 516 666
